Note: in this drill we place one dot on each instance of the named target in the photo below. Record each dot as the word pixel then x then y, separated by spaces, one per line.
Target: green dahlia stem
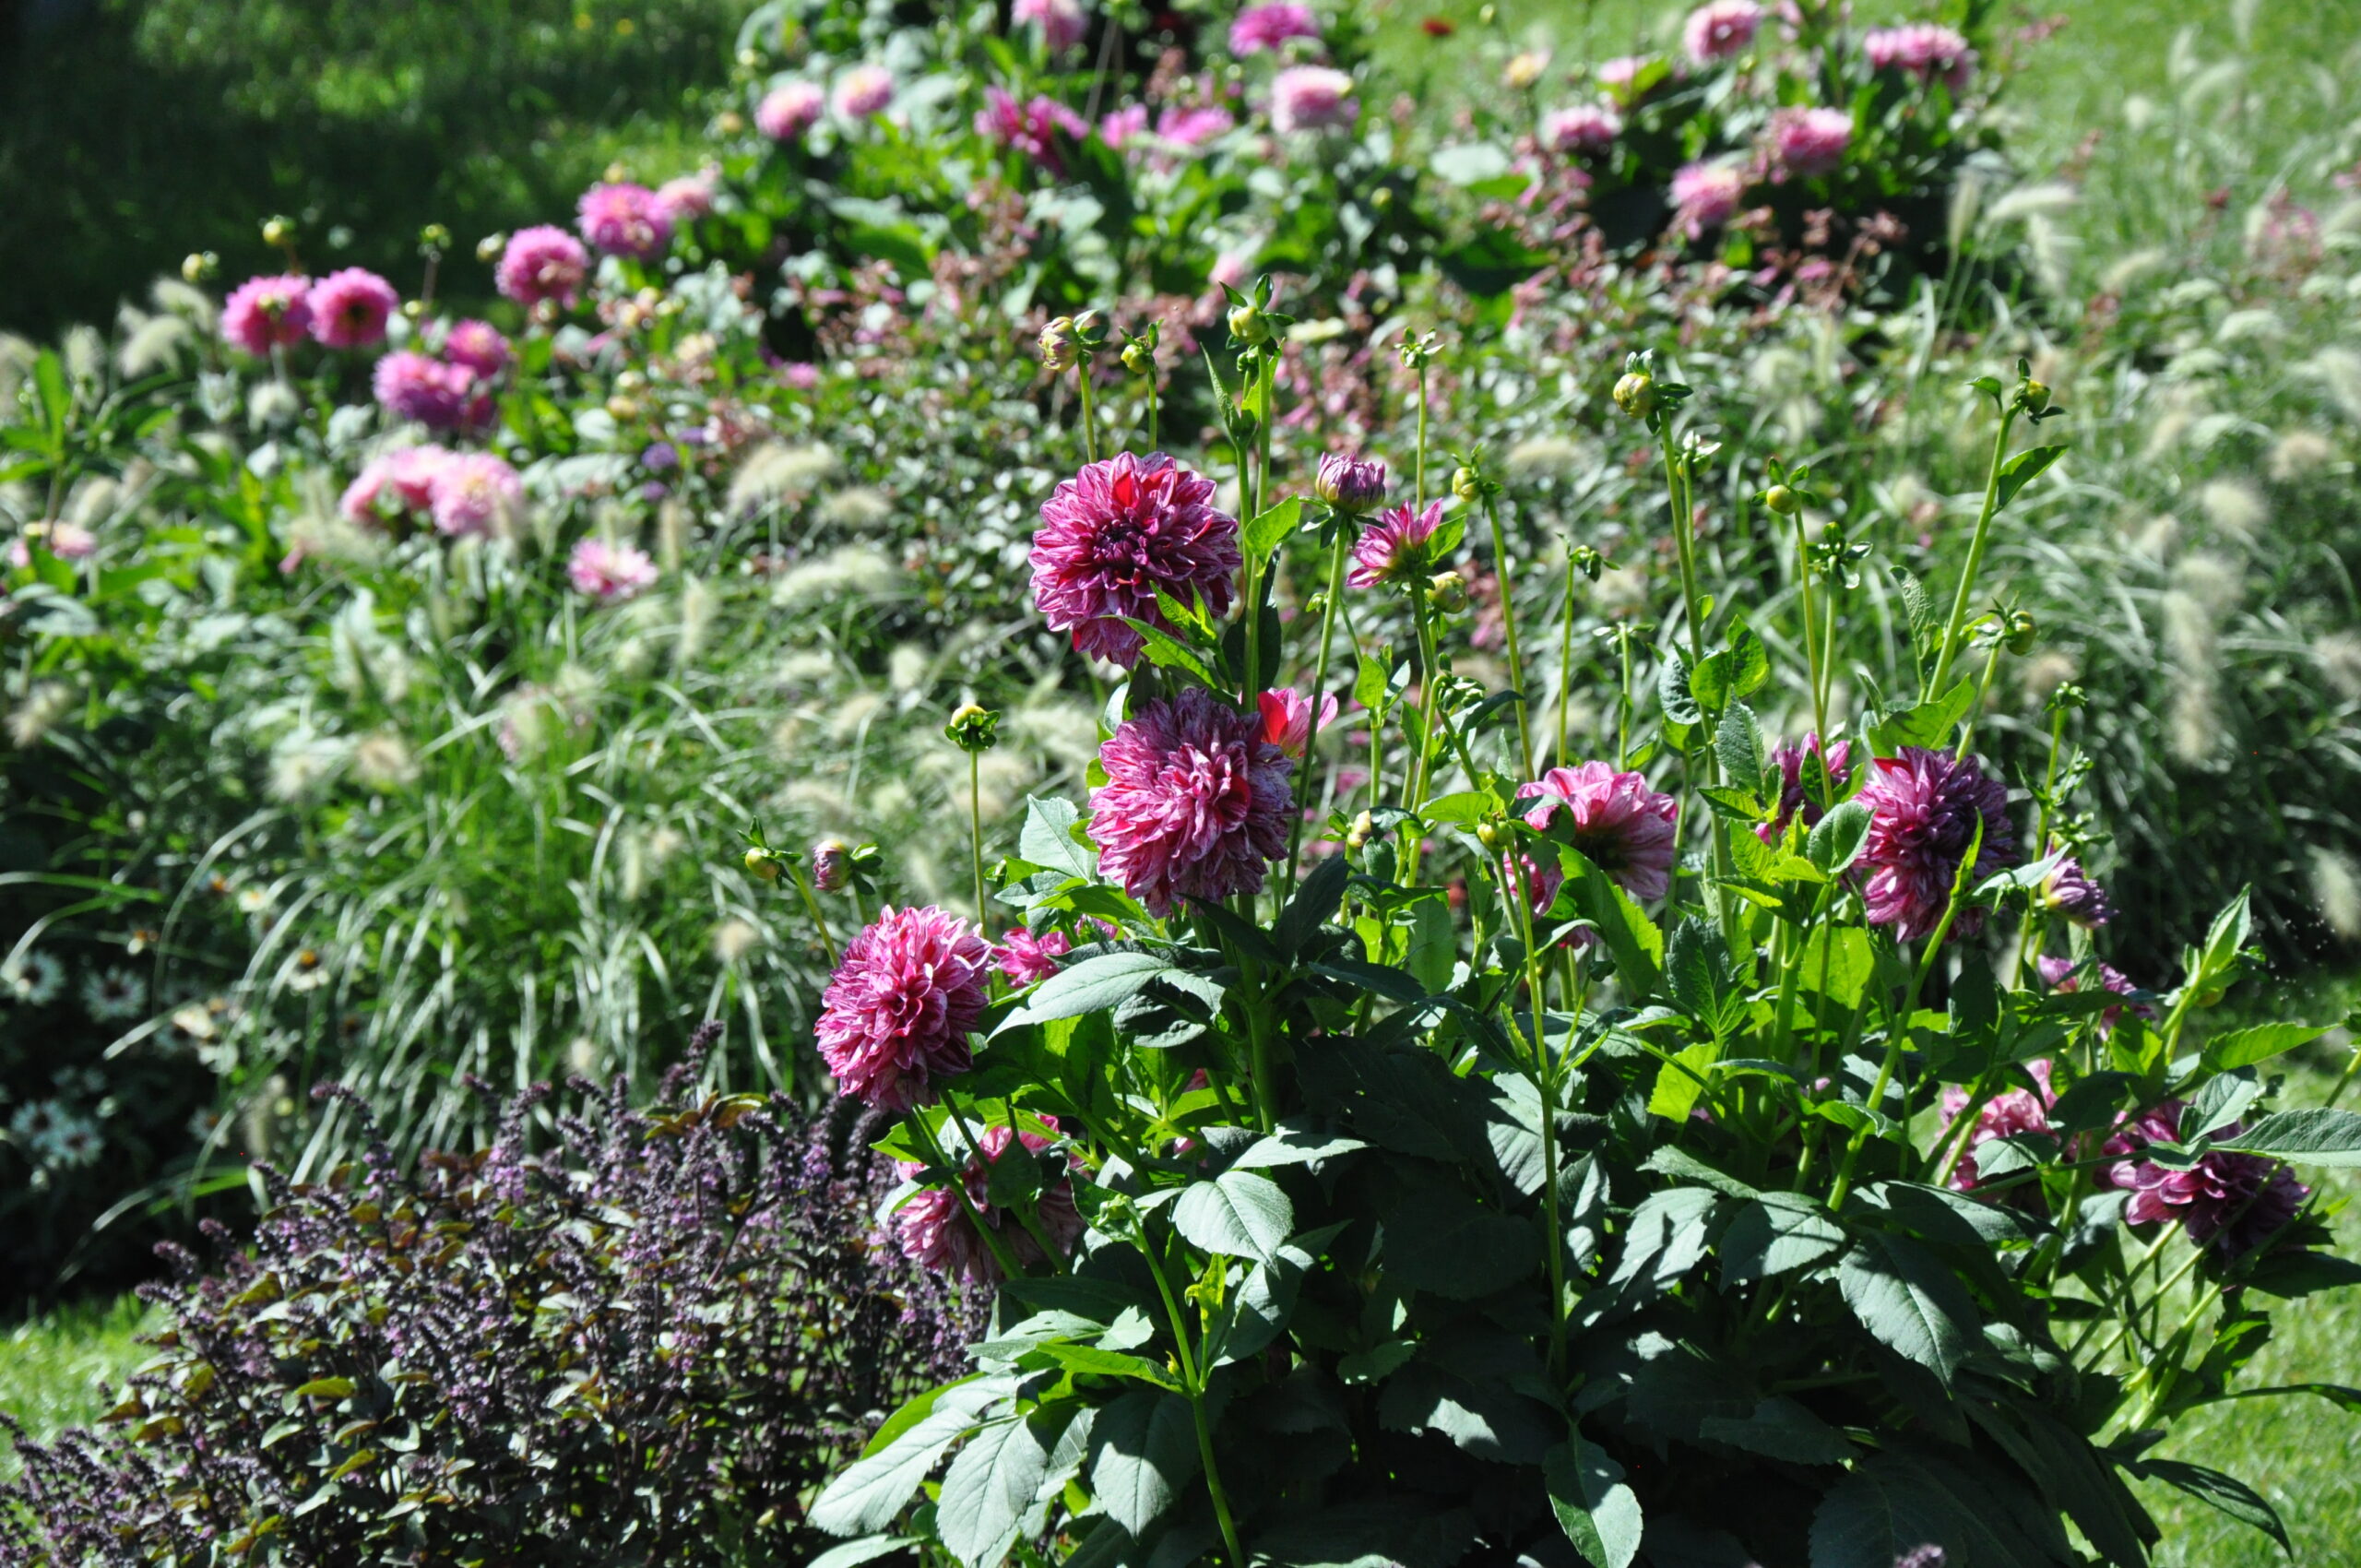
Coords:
pixel 1566 663
pixel 976 839
pixel 1508 623
pixel 1430 719
pixel 811 906
pixel 1194 1387
pixel 1318 686
pixel 1983 687
pixel 1814 653
pixel 1089 416
pixel 1009 1267
pixel 1982 535
pixel 1508 873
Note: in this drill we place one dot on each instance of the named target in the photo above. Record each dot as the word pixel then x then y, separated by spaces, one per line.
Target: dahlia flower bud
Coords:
pixel 1636 393
pixel 1447 591
pixel 973 728
pixel 2068 890
pixel 278 232
pixel 1466 485
pixel 1488 834
pixel 1350 483
pixel 1249 325
pixel 831 866
pixel 488 249
pixel 1358 835
pixel 2035 396
pixel 2021 633
pixel 434 237
pixel 765 864
pixel 1782 500
pixel 1061 348
pixel 198 266
pixel 1588 562
pixel 1138 358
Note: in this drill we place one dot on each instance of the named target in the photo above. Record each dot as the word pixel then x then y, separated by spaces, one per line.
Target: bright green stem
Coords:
pixel 1196 1401
pixel 1089 416
pixel 1623 702
pixel 1509 874
pixel 1676 483
pixel 1814 653
pixel 1898 1035
pixel 1430 719
pixel 811 904
pixel 975 835
pixel 1419 482
pixel 1257 1038
pixel 1983 688
pixel 1566 665
pixel 1009 1267
pixel 1154 415
pixel 1982 537
pixel 1319 685
pixel 1508 623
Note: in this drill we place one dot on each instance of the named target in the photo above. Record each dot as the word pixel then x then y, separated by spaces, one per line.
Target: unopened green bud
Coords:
pixel 1139 359
pixel 1488 834
pixel 765 864
pixel 278 230
pixel 434 237
pixel 1060 345
pixel 1447 591
pixel 1588 562
pixel 2035 396
pixel 488 249
pixel 1467 485
pixel 198 266
pixel 973 728
pixel 1358 835
pixel 1782 500
pixel 2021 633
pixel 1249 325
pixel 1636 394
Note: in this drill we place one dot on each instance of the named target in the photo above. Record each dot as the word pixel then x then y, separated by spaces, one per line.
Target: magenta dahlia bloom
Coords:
pixel 864 90
pixel 935 1230
pixel 1195 804
pixel 348 308
pixel 397 484
pixel 1925 805
pixel 413 385
pixel 787 111
pixel 2233 1202
pixel 265 313
pixel 1194 126
pixel 1617 75
pixel 542 263
pixel 1396 547
pixel 1025 958
pixel 1312 98
pixel 1623 827
pixel 475 492
pixel 1721 29
pixel 686 198
pixel 2061 975
pixel 609 573
pixel 2069 891
pixel 68 542
pixel 897 1012
pixel 1808 143
pixel 479 345
pixel 622 218
pixel 1584 129
pixel 1924 50
pixel 1062 23
pixel 1287 719
pixel 1350 482
pixel 2003 1116
pixel 1115 533
pixel 1792 796
pixel 1031 127
pixel 1705 195
pixel 1259 27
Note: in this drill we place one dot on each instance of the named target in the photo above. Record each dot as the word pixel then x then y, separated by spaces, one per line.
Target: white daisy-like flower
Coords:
pixel 113 995
pixel 33 978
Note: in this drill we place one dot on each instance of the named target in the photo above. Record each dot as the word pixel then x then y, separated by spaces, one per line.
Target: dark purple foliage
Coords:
pixel 644 1345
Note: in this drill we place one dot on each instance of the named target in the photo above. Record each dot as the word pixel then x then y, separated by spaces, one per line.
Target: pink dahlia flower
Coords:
pixel 1718 30
pixel 1287 719
pixel 1063 22
pixel 542 263
pixel 1794 796
pixel 1230 269
pixel 622 218
pixel 1705 195
pixel 1811 142
pixel 609 573
pixel 1924 50
pixel 1259 27
pixel 1349 482
pixel 1193 127
pixel 2068 890
pixel 1124 126
pixel 2062 975
pixel 1584 129
pixel 1618 75
pixel 350 308
pixel 686 198
pixel 864 90
pixel 1196 802
pixel 787 111
pixel 1623 827
pixel 1115 533
pixel 1312 98
pixel 475 492
pixel 1031 127
pixel 265 313
pixel 1025 958
pixel 1396 547
pixel 412 386
pixel 2234 1202
pixel 2003 1116
pixel 935 1230
pixel 479 345
pixel 67 542
pixel 394 485
pixel 897 1012
pixel 1925 805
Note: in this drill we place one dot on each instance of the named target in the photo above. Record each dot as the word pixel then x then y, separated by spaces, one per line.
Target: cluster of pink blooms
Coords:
pixel 788 109
pixel 1272 27
pixel 542 263
pixel 1287 719
pixel 480 347
pixel 1621 825
pixel 1808 143
pixel 897 1012
pixel 1177 126
pixel 2233 1202
pixel 469 493
pixel 67 542
pixel 1924 50
pixel 2004 1115
pixel 1705 194
pixel 1584 129
pixel 935 1230
pixel 435 393
pixel 1031 127
pixel 1118 531
pixel 1062 23
pixel 609 572
pixel 1026 957
pixel 619 218
pixel 864 90
pixel 686 197
pixel 1195 804
pixel 1926 806
pixel 1394 547
pixel 1721 29
pixel 348 309
pixel 1312 98
pixel 1795 796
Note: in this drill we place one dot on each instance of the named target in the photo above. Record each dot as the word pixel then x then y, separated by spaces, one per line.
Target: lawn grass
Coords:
pixel 54 1368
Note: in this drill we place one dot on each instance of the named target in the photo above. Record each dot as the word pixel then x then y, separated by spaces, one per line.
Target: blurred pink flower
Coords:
pixel 1583 128
pixel 1025 958
pixel 1259 27
pixel 412 386
pixel 1116 532
pixel 1122 126
pixel 1287 719
pixel 264 312
pixel 542 263
pixel 609 573
pixel 1705 195
pixel 1720 30
pixel 479 345
pixel 1625 828
pixel 1924 50
pixel 1793 798
pixel 1193 127
pixel 1063 22
pixel 864 90
pixel 1231 268
pixel 350 308
pixel 622 218
pixel 897 1012
pixel 1811 142
pixel 686 198
pixel 395 484
pixel 788 109
pixel 1031 127
pixel 475 492
pixel 1312 98
pixel 1195 804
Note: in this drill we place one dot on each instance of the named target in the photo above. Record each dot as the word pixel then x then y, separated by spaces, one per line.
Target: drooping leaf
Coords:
pixel 1238 1214
pixel 2226 1492
pixel 988 1488
pixel 1781 1429
pixel 1910 1302
pixel 2257 1044
pixel 1600 1514
pixel 1143 1451
pixel 1776 1232
pixel 2315 1136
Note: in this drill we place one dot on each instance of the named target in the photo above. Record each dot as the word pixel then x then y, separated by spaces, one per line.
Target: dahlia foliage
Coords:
pixel 1726 1148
